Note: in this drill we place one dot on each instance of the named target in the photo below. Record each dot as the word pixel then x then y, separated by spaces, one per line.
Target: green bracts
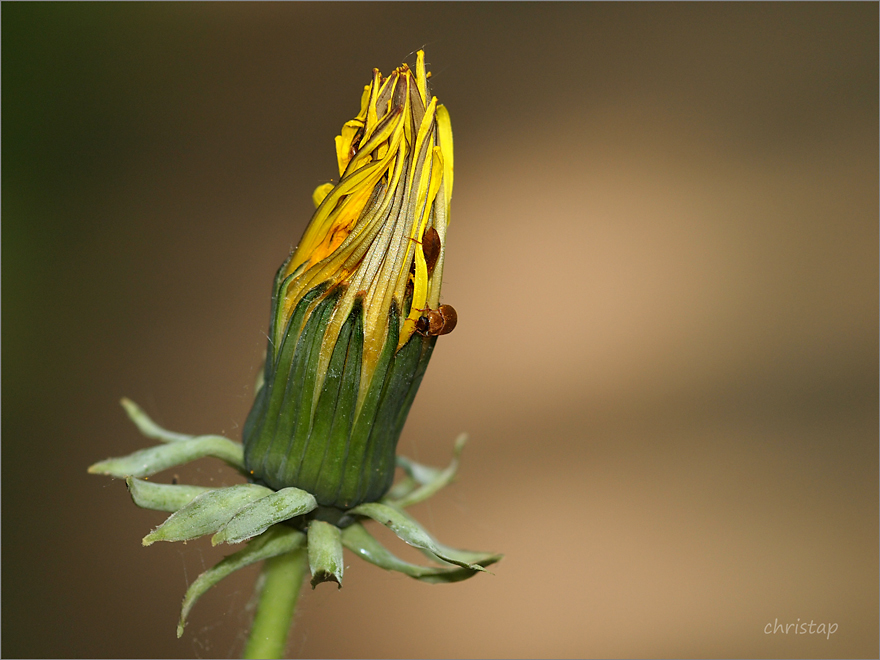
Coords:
pixel 313 436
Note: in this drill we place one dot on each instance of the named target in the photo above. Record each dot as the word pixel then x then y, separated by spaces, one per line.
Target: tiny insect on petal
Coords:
pixel 436 322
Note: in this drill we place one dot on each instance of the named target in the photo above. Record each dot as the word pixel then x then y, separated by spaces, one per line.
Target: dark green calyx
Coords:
pixel 313 434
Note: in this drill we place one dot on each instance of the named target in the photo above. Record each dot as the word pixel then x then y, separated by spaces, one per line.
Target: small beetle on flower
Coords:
pixel 355 315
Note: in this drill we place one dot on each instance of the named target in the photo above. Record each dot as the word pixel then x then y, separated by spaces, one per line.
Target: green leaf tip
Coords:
pixel 162 497
pixel 423 481
pixel 206 514
pixel 325 553
pixel 255 518
pixel 275 541
pixel 415 535
pixel 357 539
pixel 147 426
pixel 146 462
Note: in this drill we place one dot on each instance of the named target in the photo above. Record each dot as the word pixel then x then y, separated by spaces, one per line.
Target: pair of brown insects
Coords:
pixel 440 321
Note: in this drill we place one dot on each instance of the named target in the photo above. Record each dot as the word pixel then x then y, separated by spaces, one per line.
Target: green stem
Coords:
pixel 281 580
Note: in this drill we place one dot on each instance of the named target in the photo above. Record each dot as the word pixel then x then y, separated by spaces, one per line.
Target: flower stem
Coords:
pixel 281 580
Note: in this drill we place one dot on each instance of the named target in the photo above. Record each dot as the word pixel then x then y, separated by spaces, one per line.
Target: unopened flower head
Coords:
pixel 355 316
pixel 356 307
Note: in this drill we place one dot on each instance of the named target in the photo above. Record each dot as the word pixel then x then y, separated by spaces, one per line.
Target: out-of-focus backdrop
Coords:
pixel 663 252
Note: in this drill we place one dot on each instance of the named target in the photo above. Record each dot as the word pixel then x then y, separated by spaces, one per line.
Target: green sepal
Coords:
pixel 294 429
pixel 256 517
pixel 276 322
pixel 457 556
pixel 369 465
pixel 357 539
pixel 325 553
pixel 322 462
pixel 148 427
pixel 421 481
pixel 162 497
pixel 206 513
pixel 267 430
pixel 413 533
pixel 149 461
pixel 318 439
pixel 275 541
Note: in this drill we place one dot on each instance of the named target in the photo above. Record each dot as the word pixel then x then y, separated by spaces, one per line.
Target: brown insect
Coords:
pixel 439 321
pixel 431 248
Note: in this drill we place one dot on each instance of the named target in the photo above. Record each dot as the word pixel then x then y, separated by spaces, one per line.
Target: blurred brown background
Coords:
pixel 663 252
